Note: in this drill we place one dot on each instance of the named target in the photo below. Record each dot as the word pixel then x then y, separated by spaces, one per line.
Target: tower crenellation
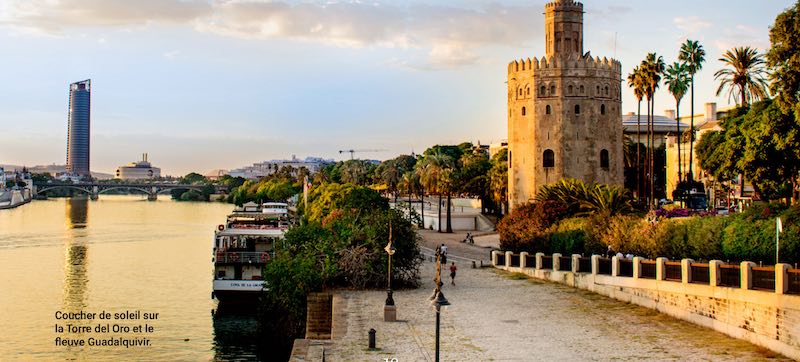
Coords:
pixel 564 110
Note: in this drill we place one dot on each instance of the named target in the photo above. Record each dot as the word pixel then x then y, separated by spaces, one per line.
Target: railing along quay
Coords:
pixel 782 279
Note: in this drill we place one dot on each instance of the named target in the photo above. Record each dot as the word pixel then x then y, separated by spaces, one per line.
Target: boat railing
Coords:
pixel 244 256
pixel 258 227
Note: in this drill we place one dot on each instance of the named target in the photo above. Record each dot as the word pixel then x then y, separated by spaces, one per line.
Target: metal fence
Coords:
pixel 530 261
pixel 763 278
pixel 672 271
pixel 604 266
pixel 730 276
pixel 625 268
pixel 700 273
pixel 565 263
pixel 584 265
pixel 515 260
pixel 547 262
pixel 794 281
pixel 647 269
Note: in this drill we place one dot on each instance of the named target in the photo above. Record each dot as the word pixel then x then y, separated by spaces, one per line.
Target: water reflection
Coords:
pixel 76 278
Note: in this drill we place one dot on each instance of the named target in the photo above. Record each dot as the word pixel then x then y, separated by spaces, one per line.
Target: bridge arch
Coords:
pixel 45 189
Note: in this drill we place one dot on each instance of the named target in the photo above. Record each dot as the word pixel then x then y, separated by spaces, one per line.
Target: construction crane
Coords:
pixel 352 152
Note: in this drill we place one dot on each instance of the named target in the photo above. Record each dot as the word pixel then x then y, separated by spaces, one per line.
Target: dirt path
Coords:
pixel 505 317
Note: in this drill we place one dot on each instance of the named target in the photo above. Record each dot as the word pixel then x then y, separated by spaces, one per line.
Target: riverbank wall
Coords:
pixel 744 301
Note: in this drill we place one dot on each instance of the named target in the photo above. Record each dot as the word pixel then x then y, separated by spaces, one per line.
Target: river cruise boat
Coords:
pixel 243 246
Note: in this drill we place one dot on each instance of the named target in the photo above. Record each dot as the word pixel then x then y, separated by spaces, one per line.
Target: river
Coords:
pixel 116 254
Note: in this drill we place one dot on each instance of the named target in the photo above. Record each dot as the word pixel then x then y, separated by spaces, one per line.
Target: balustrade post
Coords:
pixel 614 266
pixel 746 270
pixel 539 260
pixel 556 261
pixel 714 272
pixel 523 257
pixel 508 259
pixel 782 278
pixel 576 262
pixel 495 253
pixel 686 270
pixel 637 267
pixel 661 268
pixel 595 264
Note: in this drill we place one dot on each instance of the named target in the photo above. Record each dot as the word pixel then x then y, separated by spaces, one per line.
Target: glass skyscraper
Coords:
pixel 80 97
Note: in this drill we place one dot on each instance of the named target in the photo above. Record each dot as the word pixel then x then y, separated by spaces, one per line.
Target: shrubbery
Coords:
pixel 747 236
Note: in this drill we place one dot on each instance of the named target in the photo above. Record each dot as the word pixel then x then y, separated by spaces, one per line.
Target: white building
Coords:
pixel 138 170
pixel 266 168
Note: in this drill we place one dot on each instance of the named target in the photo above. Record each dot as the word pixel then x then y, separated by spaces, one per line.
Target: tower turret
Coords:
pixel 564 28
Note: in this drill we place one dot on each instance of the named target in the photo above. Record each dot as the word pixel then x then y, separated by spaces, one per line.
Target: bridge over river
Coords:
pixel 152 190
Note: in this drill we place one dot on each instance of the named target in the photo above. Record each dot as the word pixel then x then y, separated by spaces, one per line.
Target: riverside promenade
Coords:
pixel 507 317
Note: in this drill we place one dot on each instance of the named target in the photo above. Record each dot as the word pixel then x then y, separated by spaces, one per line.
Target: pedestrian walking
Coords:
pixel 453 273
pixel 443 249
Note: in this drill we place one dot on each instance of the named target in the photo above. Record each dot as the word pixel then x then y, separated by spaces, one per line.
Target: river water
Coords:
pixel 116 254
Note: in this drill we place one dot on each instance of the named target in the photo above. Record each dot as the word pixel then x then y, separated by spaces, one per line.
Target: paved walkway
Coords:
pixel 497 316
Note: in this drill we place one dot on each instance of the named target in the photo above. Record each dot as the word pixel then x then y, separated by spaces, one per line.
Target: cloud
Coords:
pixel 743 35
pixel 691 25
pixel 450 34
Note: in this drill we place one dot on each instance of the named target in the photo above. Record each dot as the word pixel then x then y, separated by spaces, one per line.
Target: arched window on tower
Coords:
pixel 509 159
pixel 598 90
pixel 570 90
pixel 577 109
pixel 602 109
pixel 582 90
pixel 523 111
pixel 549 159
pixel 547 109
pixel 528 90
pixel 606 91
pixel 552 90
pixel 604 159
pixel 542 91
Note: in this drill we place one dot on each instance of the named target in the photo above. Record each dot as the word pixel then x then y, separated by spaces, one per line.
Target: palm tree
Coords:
pixel 431 176
pixel 391 176
pixel 652 67
pixel 676 78
pixel 498 180
pixel 693 55
pixel 635 81
pixel 745 75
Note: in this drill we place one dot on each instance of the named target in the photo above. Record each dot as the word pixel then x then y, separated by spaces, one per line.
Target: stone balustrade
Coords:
pixel 757 304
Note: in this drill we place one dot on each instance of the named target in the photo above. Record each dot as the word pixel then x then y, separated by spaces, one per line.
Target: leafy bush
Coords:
pixel 525 229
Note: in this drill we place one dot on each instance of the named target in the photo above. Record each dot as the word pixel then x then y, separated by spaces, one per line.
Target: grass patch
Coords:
pixel 517 276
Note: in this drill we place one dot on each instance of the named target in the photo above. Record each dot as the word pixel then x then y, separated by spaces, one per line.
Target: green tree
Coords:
pixel 676 77
pixel 498 181
pixel 744 75
pixel 783 58
pixel 693 55
pixel 652 68
pixel 193 178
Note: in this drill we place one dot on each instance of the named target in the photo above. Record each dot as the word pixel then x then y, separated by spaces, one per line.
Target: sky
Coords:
pixel 220 84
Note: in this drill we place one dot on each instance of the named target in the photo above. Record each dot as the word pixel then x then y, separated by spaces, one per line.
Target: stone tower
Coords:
pixel 564 111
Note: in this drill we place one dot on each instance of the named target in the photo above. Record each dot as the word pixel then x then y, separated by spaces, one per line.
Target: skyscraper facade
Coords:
pixel 79 122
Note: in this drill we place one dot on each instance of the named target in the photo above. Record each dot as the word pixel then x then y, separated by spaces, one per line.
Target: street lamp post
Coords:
pixel 438 300
pixel 389 309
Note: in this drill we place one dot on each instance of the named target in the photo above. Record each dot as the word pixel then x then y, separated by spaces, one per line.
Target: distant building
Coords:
pixel 663 127
pixel 78 130
pixel 266 168
pixel 140 170
pixel 215 174
pixel 495 148
pixel 703 123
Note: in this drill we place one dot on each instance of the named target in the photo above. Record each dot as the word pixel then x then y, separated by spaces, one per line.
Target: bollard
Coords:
pixel 372 338
pixel 473 264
